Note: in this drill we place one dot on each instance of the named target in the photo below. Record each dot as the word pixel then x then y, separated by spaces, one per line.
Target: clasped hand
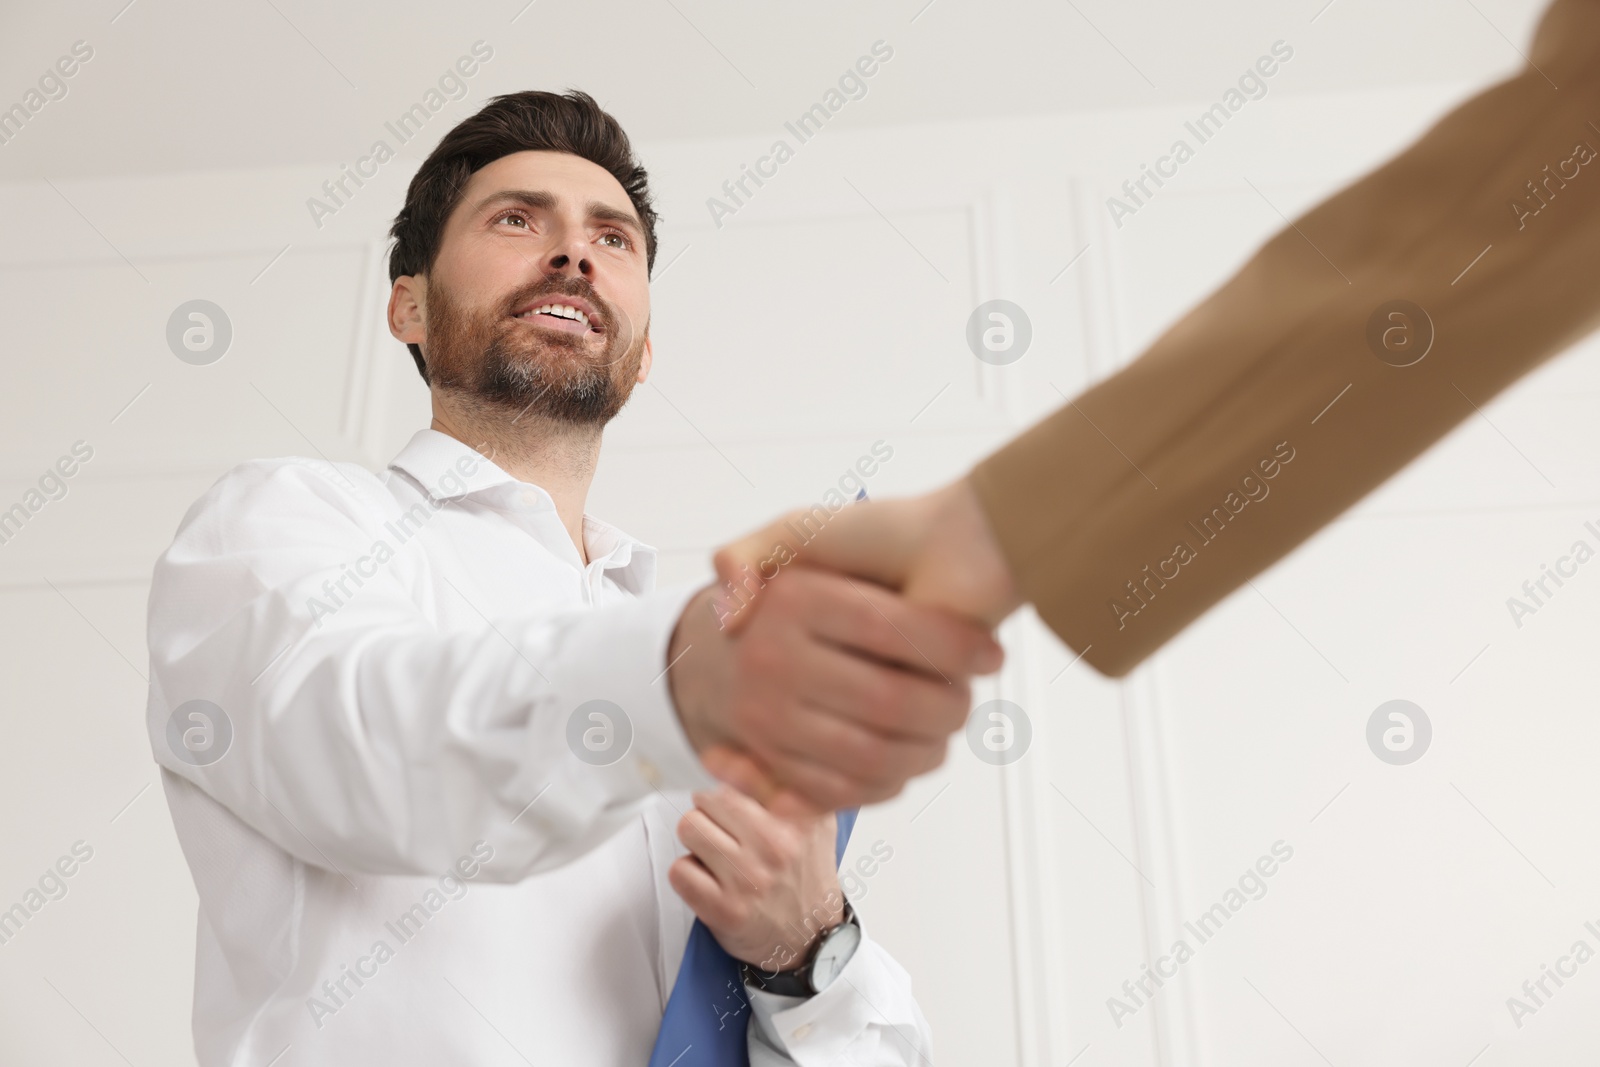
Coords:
pixel 846 661
pixel 828 667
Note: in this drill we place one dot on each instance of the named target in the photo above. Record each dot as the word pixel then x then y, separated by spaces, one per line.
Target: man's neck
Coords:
pixel 558 457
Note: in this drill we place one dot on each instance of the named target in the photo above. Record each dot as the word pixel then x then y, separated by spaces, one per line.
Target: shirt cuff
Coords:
pixel 872 991
pixel 618 654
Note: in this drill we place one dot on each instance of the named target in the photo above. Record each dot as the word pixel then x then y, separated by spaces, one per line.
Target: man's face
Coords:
pixel 535 230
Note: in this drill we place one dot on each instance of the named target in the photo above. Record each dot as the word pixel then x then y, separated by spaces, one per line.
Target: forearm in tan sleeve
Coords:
pixel 1129 512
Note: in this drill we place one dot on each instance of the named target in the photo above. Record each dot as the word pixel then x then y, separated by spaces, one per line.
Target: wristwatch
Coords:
pixel 820 967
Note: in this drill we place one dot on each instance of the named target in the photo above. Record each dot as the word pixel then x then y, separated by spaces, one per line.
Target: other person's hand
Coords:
pixel 837 686
pixel 937 549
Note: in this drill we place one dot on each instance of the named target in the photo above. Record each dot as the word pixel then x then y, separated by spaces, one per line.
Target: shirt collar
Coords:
pixel 447 469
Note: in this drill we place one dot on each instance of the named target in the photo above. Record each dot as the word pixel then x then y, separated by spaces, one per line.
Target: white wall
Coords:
pixel 826 315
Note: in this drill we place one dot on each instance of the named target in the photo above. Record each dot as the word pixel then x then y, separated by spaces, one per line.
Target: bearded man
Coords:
pixel 432 739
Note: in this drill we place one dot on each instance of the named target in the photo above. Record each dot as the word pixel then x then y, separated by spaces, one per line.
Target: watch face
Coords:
pixel 834 952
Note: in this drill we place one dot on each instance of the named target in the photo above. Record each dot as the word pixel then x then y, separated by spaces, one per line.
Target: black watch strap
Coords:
pixel 796 981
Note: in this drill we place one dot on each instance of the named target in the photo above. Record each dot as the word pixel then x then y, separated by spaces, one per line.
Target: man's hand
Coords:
pixel 766 885
pixel 837 686
pixel 936 549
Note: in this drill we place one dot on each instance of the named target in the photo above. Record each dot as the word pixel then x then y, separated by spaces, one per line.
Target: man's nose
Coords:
pixel 571 258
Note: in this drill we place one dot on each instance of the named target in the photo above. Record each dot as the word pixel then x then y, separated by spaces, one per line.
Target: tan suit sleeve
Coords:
pixel 1132 510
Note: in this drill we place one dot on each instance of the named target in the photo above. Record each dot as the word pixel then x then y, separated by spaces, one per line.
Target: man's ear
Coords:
pixel 644 363
pixel 408 309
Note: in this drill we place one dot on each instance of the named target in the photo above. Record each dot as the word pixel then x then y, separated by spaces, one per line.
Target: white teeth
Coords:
pixel 563 311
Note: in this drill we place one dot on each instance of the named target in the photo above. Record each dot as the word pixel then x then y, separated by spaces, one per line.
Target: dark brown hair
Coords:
pixel 516 122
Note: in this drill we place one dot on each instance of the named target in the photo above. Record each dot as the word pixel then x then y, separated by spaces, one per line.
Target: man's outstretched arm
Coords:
pixel 374 738
pixel 1218 470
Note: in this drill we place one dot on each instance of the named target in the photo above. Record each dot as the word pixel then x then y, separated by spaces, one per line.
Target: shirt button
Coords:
pixel 800 1032
pixel 648 771
pixel 529 497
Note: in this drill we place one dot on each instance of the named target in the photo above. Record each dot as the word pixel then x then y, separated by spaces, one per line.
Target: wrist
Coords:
pixel 812 970
pixel 990 557
pixel 961 565
pixel 690 681
pixel 821 922
pixel 799 936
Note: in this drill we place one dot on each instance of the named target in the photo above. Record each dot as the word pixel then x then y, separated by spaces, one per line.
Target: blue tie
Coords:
pixel 704 1024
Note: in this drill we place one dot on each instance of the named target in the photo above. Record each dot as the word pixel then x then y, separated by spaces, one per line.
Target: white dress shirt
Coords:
pixel 400 859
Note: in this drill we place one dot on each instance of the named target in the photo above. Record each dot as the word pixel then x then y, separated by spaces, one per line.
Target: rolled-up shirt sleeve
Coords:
pixel 367 738
pixel 868 1017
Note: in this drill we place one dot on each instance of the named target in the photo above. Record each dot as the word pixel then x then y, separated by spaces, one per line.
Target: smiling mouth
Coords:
pixel 555 316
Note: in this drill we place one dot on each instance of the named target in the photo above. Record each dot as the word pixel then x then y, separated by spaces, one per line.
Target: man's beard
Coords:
pixel 488 356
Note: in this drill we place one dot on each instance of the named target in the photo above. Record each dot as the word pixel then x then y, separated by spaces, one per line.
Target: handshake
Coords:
pixel 835 659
